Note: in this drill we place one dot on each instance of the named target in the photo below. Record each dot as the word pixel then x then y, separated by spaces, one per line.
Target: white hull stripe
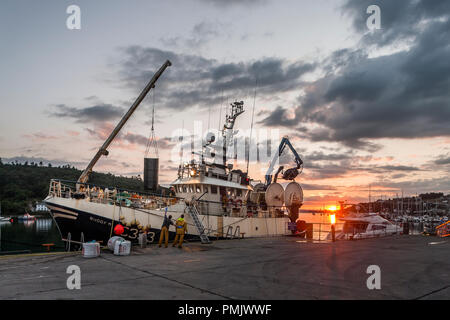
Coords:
pixel 66 216
pixel 58 209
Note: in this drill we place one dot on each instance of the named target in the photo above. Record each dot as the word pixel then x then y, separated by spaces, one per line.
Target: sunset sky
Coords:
pixel 361 107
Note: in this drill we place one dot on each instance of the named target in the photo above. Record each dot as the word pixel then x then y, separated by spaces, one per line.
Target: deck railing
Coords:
pixel 105 195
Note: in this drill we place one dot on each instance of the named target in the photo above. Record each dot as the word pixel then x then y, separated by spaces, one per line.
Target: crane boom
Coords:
pixel 103 149
pixel 290 174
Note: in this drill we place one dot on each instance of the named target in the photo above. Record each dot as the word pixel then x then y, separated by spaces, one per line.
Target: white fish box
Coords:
pixel 112 242
pixel 122 248
pixel 91 249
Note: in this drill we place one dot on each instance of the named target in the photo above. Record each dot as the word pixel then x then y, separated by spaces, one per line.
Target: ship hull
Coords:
pixel 87 221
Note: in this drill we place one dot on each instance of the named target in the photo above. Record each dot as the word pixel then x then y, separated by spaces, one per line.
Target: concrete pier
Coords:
pixel 412 267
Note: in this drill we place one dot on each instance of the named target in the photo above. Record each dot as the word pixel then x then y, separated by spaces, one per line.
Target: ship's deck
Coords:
pixel 412 267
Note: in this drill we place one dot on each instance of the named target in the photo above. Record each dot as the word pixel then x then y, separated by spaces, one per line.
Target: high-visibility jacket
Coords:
pixel 181 226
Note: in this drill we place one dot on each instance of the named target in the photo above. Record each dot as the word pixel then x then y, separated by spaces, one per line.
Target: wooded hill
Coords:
pixel 24 184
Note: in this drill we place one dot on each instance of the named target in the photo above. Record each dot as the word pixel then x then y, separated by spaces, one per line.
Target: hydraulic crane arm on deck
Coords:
pixel 103 149
pixel 289 174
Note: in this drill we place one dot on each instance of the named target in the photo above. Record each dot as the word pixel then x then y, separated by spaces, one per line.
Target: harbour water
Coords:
pixel 29 236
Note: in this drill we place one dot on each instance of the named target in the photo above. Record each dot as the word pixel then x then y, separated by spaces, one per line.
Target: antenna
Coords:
pixel 251 128
pixel 220 111
pixel 181 139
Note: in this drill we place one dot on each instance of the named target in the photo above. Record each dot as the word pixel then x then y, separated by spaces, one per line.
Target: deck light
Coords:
pixel 333 219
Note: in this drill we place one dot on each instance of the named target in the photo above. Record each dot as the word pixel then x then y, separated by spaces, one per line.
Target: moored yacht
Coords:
pixel 369 225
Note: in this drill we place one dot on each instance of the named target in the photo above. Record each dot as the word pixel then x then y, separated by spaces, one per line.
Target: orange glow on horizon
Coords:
pixel 332 208
pixel 333 219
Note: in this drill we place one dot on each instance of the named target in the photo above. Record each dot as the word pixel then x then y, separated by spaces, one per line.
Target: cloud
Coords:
pixel 197 81
pixel 230 3
pixel 124 140
pixel 199 36
pixel 400 20
pixel 418 185
pixel 399 95
pixel 399 168
pixel 96 113
pixel 310 186
pixel 163 143
pixel 40 136
pixel 442 160
pixel 319 156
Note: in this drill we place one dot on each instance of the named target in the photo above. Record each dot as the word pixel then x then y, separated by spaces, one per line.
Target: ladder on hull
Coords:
pixel 193 212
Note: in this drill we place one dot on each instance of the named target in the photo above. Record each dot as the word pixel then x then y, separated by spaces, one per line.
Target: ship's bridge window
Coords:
pixel 184 189
pixel 213 189
pixel 198 189
pixel 205 189
pixel 191 189
pixel 180 189
pixel 239 192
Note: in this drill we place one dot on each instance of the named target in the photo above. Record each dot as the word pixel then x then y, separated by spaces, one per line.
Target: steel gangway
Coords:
pixel 193 212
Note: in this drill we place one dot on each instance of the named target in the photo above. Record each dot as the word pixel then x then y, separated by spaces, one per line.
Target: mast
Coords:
pixel 237 108
pixel 103 149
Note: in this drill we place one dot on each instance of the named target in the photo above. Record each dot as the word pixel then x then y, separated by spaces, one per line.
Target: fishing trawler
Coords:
pixel 217 200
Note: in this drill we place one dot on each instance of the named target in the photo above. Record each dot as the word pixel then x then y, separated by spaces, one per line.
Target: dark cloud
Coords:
pixel 278 117
pixel 399 168
pixel 442 160
pixel 319 156
pixel 200 35
pixel 311 186
pixel 197 81
pixel 400 95
pixel 229 3
pixel 400 19
pixel 96 113
pixel 418 185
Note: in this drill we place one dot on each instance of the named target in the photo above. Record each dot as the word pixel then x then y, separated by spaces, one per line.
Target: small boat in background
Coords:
pixel 26 217
pixel 3 219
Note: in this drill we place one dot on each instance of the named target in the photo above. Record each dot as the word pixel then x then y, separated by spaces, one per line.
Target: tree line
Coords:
pixel 24 184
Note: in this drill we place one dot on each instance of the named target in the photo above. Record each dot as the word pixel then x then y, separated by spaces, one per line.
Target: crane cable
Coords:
pixel 151 142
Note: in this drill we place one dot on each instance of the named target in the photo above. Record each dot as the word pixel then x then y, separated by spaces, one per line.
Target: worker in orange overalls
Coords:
pixel 181 227
pixel 165 230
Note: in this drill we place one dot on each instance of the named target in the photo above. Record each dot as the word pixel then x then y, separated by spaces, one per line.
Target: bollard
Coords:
pixel 309 231
pixel 406 228
pixel 143 240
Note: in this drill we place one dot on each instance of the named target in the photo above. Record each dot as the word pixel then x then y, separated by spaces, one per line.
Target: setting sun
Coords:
pixel 332 208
